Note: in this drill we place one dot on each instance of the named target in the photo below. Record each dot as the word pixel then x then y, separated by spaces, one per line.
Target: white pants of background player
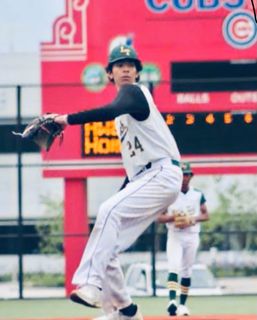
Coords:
pixel 120 221
pixel 181 252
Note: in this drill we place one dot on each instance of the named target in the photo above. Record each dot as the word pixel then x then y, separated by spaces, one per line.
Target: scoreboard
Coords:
pixel 196 133
pixel 100 138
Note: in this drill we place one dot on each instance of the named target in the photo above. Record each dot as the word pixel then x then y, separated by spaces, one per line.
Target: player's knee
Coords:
pixel 186 273
pixel 103 211
pixel 106 210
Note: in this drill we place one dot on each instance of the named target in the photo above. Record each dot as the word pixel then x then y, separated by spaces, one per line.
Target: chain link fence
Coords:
pixel 31 208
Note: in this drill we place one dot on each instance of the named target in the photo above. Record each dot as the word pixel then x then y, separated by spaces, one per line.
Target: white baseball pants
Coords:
pixel 120 221
pixel 181 252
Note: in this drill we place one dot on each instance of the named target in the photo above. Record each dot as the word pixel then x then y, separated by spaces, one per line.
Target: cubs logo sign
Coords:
pixel 240 29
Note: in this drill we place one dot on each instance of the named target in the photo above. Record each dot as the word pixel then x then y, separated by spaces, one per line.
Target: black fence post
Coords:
pixel 20 215
pixel 153 230
pixel 153 257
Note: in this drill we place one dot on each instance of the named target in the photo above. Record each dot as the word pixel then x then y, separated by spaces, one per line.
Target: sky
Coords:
pixel 26 23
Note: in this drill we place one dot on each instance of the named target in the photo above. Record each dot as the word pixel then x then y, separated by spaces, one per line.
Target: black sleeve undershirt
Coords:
pixel 130 100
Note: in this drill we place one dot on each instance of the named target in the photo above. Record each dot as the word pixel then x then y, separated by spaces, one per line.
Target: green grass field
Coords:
pixel 62 308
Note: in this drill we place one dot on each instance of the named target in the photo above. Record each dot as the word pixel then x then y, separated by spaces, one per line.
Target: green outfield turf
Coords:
pixel 62 308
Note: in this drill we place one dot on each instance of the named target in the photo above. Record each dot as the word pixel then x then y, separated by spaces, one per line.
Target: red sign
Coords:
pixel 167 35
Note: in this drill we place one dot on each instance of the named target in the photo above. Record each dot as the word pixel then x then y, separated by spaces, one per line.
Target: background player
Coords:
pixel 151 160
pixel 183 239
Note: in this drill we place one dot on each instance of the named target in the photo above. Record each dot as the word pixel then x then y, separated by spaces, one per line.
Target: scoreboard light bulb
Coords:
pixel 190 119
pixel 248 117
pixel 228 118
pixel 170 119
pixel 210 119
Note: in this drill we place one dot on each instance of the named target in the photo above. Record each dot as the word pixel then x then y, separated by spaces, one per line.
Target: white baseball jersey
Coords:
pixel 189 202
pixel 145 141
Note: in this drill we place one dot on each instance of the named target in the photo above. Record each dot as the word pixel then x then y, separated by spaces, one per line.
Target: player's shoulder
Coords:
pixel 196 191
pixel 143 88
pixel 135 89
pixel 199 195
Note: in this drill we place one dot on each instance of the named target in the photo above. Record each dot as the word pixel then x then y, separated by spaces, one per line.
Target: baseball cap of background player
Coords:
pixel 186 168
pixel 123 52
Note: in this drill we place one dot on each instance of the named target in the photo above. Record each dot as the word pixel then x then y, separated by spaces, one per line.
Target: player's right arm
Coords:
pixel 165 218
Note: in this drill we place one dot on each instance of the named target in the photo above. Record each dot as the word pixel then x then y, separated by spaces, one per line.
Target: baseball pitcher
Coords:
pixel 151 159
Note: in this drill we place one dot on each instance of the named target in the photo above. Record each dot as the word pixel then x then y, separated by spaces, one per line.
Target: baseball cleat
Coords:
pixel 172 308
pixel 88 295
pixel 182 310
pixel 116 315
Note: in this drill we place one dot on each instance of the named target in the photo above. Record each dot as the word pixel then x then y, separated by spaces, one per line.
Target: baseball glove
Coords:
pixel 183 220
pixel 43 131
